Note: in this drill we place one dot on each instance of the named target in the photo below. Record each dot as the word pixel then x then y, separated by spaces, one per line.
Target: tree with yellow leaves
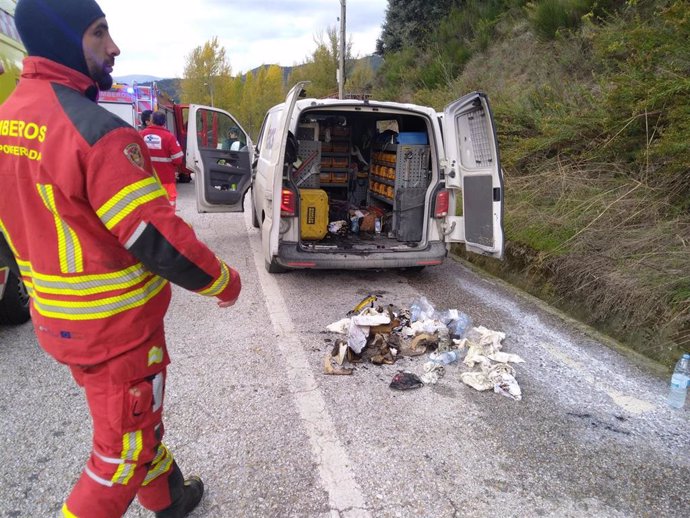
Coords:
pixel 207 76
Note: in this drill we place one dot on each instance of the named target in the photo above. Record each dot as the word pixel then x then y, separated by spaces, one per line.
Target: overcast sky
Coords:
pixel 155 36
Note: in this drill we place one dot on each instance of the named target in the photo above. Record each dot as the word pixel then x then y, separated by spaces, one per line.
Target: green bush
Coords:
pixel 647 89
pixel 549 17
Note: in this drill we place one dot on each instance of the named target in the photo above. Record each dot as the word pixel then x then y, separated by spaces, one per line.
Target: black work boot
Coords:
pixel 190 498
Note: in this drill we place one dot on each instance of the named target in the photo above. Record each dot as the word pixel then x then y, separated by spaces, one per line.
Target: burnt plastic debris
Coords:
pixel 404 380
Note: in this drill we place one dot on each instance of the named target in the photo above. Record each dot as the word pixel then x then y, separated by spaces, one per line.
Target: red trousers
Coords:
pixel 171 189
pixel 128 459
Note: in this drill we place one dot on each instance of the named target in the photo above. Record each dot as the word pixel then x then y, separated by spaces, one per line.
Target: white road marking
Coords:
pixel 345 495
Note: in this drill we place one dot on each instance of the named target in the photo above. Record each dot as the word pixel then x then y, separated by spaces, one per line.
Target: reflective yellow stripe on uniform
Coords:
pixel 66 513
pixel 69 248
pixel 24 266
pixel 128 199
pixel 132 444
pixel 220 284
pixel 27 275
pixel 160 465
pixel 91 284
pixel 101 308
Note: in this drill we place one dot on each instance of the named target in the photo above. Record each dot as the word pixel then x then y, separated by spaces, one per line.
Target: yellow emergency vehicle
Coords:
pixel 11 50
pixel 14 299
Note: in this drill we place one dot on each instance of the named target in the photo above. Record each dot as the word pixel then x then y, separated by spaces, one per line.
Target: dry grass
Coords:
pixel 607 244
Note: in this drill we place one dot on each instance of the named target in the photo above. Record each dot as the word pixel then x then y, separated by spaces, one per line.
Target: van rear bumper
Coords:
pixel 290 256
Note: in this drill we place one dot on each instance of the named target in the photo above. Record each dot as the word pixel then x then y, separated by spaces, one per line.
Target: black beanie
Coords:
pixel 54 29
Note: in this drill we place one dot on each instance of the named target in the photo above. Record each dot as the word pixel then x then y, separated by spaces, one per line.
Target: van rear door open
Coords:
pixel 474 173
pixel 271 225
pixel 222 167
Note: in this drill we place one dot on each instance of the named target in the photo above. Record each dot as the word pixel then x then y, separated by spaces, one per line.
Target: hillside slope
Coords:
pixel 593 126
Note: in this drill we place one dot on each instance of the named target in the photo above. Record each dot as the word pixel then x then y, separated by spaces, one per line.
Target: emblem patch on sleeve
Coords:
pixel 133 154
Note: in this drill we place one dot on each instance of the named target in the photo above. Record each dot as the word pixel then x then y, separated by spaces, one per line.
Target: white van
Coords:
pixel 352 184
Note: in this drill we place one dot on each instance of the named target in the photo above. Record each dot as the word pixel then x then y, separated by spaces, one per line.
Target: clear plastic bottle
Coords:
pixel 445 358
pixel 459 327
pixel 679 382
pixel 420 309
pixel 354 226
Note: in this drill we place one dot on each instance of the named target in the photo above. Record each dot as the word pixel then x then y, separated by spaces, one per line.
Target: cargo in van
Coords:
pixel 359 184
pixel 374 174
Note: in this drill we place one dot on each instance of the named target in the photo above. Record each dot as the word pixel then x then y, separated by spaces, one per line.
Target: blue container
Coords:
pixel 412 137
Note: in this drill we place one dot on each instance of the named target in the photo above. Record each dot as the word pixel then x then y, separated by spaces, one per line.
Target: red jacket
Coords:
pixel 89 223
pixel 166 153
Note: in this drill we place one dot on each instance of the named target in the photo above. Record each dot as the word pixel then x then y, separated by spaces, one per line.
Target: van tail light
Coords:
pixel 287 203
pixel 441 205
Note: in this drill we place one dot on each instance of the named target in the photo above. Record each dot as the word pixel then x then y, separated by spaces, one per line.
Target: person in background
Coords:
pixel 97 244
pixel 232 141
pixel 145 119
pixel 166 153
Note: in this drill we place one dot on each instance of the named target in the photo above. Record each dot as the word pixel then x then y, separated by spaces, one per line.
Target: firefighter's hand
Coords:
pixel 226 303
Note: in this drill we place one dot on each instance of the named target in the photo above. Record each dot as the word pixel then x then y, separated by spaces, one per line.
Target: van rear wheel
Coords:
pixel 255 220
pixel 14 306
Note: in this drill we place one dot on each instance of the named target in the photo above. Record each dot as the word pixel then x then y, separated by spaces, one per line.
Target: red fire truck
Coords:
pixel 128 101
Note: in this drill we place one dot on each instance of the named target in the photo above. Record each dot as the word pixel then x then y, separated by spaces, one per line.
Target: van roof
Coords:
pixel 353 104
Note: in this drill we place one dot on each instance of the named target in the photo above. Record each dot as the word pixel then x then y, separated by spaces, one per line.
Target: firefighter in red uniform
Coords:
pixel 166 153
pixel 97 242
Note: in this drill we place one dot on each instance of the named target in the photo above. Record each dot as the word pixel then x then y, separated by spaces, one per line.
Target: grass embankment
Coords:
pixel 594 129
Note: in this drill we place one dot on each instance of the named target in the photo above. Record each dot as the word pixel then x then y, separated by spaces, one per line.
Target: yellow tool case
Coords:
pixel 313 213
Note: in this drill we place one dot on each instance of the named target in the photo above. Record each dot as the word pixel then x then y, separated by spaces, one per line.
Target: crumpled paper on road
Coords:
pixel 340 327
pixel 484 347
pixel 357 327
pixel 485 343
pixel 429 326
pixel 432 373
pixel 370 317
pixel 500 377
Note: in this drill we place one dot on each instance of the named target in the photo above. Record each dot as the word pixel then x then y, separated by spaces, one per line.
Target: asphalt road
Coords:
pixel 249 408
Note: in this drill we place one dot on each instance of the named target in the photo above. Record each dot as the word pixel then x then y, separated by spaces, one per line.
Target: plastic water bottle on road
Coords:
pixel 679 382
pixel 445 358
pixel 458 328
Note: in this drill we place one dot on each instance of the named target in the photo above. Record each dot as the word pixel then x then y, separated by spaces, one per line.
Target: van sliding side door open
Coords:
pixel 474 173
pixel 220 154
